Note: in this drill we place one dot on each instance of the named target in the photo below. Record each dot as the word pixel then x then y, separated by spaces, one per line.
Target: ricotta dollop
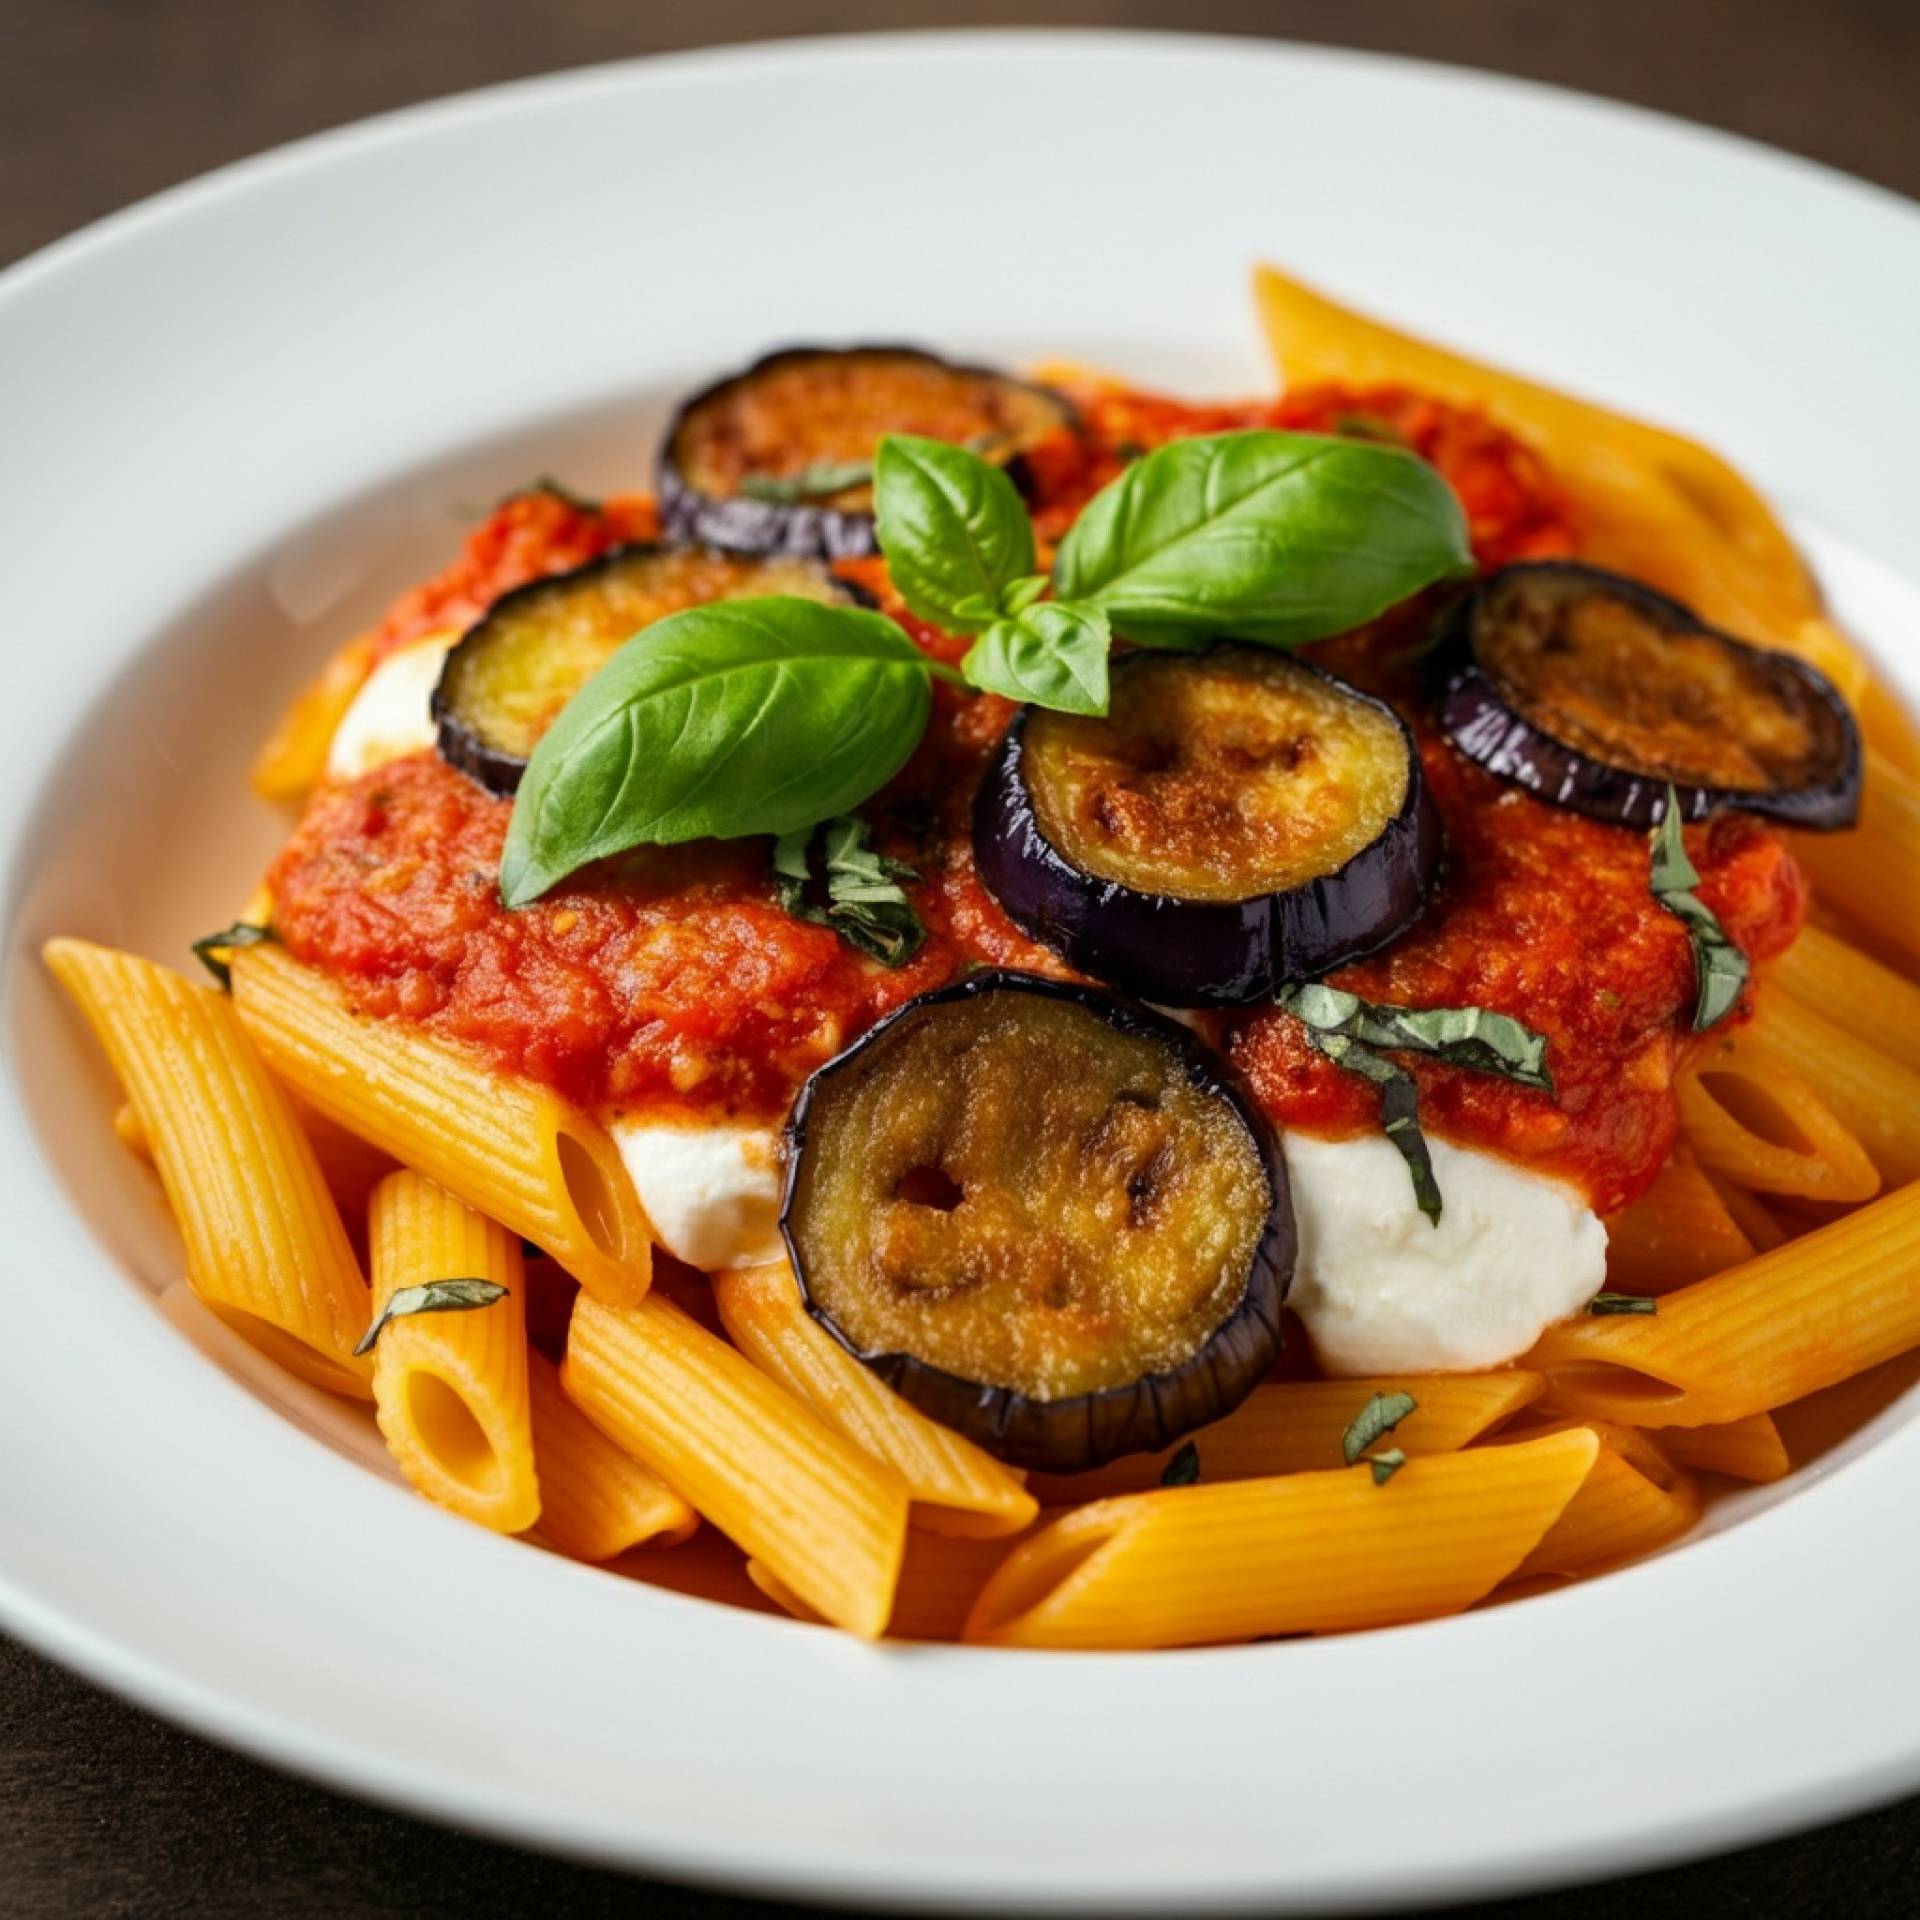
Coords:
pixel 392 714
pixel 711 1191
pixel 1382 1289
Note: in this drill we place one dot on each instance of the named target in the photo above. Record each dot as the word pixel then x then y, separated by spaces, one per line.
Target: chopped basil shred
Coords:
pixel 1378 1418
pixel 1386 1464
pixel 817 482
pixel 1606 1303
pixel 1719 967
pixel 435 1296
pixel 1183 1469
pixel 865 904
pixel 1399 1111
pixel 211 948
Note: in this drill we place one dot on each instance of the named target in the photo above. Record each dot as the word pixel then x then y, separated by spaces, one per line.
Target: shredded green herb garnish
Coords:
pixel 1386 1464
pixel 1183 1469
pixel 1378 1418
pixel 1720 969
pixel 211 948
pixel 1605 1303
pixel 817 482
pixel 435 1296
pixel 1370 426
pixel 865 904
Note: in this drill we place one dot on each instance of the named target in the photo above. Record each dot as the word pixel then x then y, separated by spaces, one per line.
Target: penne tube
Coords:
pixel 940 1579
pixel 1678 1231
pixel 1809 1314
pixel 265 1245
pixel 294 755
pixel 1301 1553
pixel 1872 1095
pixel 955 1487
pixel 1749 1449
pixel 827 1519
pixel 1749 1214
pixel 595 1501
pixel 507 1146
pixel 450 1388
pixel 1826 975
pixel 1633 1502
pixel 1296 1426
pixel 1873 873
pixel 1750 1118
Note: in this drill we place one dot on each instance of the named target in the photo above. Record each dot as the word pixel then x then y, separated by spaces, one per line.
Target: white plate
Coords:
pixel 237 418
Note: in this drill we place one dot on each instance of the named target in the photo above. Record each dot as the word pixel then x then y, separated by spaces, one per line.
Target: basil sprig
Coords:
pixel 212 949
pixel 1719 967
pixel 743 716
pixel 1183 1469
pixel 864 903
pixel 433 1296
pixel 1378 1418
pixel 1348 1029
pixel 1603 1304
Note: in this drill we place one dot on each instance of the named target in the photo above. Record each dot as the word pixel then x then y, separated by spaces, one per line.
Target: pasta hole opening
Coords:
pixel 448 1431
pixel 1032 1577
pixel 1617 1387
pixel 932 1187
pixel 591 1192
pixel 1749 1104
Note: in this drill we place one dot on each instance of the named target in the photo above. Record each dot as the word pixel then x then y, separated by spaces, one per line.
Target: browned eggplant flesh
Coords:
pixel 1046 1217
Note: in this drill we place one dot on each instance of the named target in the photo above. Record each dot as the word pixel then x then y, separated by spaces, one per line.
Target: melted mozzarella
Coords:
pixel 1383 1290
pixel 391 716
pixel 712 1192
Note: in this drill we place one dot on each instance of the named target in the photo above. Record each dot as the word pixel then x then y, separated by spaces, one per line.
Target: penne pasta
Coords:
pixel 1750 1118
pixel 507 1146
pixel 1875 1098
pixel 1296 1426
pixel 1833 1303
pixel 1680 1230
pixel 450 1388
pixel 265 1246
pixel 1634 1502
pixel 1873 873
pixel 294 755
pixel 940 1580
pixel 1302 1553
pixel 595 1500
pixel 1754 1219
pixel 1749 1449
pixel 826 1518
pixel 955 1487
pixel 1855 993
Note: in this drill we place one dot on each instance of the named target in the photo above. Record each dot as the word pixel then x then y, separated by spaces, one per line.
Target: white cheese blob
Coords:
pixel 391 716
pixel 1383 1290
pixel 712 1192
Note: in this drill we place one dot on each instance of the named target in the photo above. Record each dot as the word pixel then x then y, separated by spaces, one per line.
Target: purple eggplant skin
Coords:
pixel 1479 717
pixel 1087 1430
pixel 1202 953
pixel 742 525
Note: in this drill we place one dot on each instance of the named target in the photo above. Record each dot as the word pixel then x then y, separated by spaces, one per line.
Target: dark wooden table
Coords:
pixel 104 1811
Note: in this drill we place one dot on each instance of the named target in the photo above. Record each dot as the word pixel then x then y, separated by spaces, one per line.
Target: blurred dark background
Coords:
pixel 104 1811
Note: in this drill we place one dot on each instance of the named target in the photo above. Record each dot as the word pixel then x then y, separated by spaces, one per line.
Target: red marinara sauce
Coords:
pixel 673 977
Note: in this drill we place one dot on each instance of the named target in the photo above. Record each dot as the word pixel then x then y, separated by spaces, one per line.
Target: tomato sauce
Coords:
pixel 673 976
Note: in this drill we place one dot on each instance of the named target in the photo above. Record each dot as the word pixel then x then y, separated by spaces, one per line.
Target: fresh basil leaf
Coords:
pixel 817 482
pixel 1378 1418
pixel 1399 1111
pixel 1720 969
pixel 1183 1469
pixel 1022 594
pixel 1278 537
pixel 1472 1038
pixel 1053 655
pixel 864 903
pixel 953 528
pixel 211 948
pixel 1386 1464
pixel 742 716
pixel 435 1296
pixel 1606 1303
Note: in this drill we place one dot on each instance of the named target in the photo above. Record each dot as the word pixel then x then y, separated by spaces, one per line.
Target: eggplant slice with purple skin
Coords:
pixel 1050 1219
pixel 1238 819
pixel 778 459
pixel 504 684
pixel 1595 693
